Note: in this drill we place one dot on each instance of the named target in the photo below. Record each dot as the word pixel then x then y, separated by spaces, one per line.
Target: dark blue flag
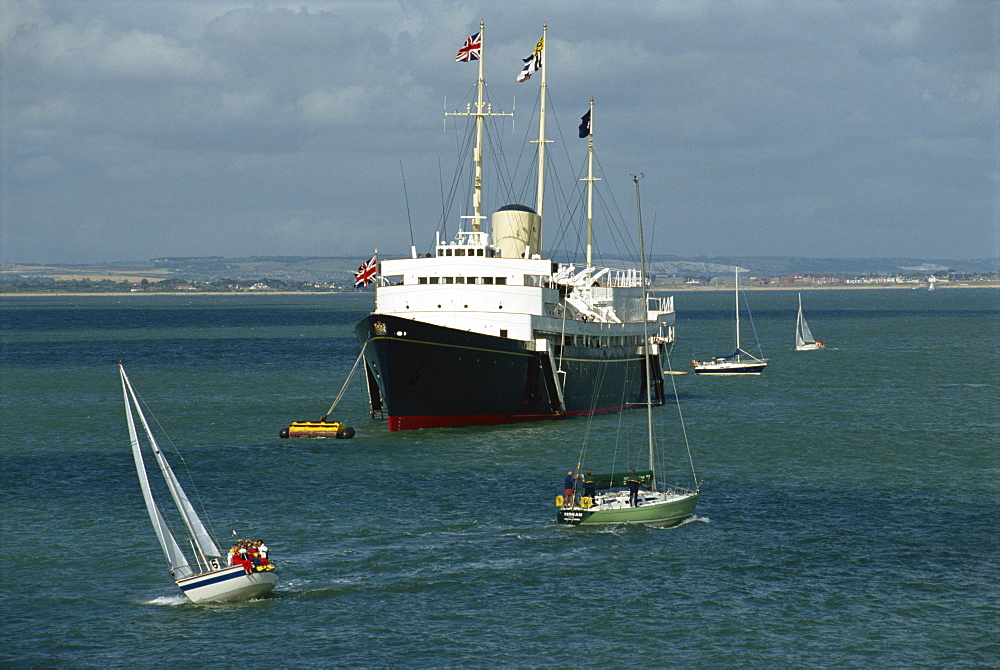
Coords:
pixel 585 124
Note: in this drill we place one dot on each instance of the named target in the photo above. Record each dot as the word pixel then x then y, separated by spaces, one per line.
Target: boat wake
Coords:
pixel 168 600
pixel 694 518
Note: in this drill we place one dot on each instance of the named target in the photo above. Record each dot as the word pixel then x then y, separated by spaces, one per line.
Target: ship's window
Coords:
pixel 501 280
pixel 569 341
pixel 421 280
pixel 471 280
pixel 435 280
pixel 533 280
pixel 447 252
pixel 440 252
pixel 487 280
pixel 448 280
pixel 459 280
pixel 459 252
pixel 479 252
pixel 503 332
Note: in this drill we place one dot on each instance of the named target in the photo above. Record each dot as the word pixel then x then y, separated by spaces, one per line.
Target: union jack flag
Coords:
pixel 365 274
pixel 473 48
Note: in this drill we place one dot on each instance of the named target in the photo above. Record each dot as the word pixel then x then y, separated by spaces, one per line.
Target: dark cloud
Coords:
pixel 138 130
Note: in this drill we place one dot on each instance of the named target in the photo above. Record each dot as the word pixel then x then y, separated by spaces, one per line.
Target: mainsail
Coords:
pixel 803 335
pixel 202 539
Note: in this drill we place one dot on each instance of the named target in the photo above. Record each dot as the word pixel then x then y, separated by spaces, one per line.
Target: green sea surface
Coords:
pixel 848 517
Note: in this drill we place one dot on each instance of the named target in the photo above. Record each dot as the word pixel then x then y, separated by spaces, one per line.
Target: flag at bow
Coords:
pixel 472 49
pixel 365 273
pixel 532 63
pixel 585 124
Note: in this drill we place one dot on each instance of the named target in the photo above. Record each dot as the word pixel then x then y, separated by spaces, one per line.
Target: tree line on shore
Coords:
pixel 40 284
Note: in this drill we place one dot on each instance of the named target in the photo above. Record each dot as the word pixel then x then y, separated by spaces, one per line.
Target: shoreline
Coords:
pixel 655 289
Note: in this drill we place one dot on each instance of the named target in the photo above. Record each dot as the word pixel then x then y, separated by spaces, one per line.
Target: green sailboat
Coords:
pixel 634 497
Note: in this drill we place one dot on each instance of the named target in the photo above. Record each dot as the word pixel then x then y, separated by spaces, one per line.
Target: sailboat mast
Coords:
pixel 540 194
pixel 645 333
pixel 737 309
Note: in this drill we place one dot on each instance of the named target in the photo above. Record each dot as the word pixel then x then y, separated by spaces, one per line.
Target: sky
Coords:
pixel 143 129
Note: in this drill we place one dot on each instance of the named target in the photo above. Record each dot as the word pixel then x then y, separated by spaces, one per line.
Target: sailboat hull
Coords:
pixel 730 368
pixel 659 510
pixel 812 346
pixel 423 375
pixel 228 584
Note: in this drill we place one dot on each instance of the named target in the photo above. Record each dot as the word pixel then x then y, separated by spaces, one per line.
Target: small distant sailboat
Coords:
pixel 804 340
pixel 740 362
pixel 209 578
pixel 616 498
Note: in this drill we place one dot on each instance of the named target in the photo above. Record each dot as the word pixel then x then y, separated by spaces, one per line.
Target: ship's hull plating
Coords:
pixel 425 376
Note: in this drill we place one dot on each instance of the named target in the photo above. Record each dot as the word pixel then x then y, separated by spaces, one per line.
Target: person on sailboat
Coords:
pixel 568 487
pixel 262 552
pixel 589 486
pixel 633 489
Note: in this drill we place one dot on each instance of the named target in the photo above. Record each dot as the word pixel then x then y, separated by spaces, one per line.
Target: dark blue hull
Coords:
pixel 424 376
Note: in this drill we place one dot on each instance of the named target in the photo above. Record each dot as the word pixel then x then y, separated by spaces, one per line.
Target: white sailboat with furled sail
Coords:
pixel 740 362
pixel 208 577
pixel 636 497
pixel 804 340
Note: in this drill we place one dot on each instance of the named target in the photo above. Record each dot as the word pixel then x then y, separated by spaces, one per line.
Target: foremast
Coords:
pixel 482 111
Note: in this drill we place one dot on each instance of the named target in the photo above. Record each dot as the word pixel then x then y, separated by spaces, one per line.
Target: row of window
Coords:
pixel 593 340
pixel 478 251
pixel 461 280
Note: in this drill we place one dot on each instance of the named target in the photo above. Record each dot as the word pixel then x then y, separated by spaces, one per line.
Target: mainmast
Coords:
pixel 540 198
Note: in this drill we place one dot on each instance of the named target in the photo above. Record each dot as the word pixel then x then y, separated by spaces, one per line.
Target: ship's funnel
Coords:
pixel 516 228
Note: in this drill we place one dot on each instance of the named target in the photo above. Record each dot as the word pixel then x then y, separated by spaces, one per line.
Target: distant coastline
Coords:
pixel 657 289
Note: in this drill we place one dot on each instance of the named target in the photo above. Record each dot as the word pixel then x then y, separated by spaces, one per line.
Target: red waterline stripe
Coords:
pixel 456 420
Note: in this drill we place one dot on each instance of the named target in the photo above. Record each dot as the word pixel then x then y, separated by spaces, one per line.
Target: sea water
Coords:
pixel 848 515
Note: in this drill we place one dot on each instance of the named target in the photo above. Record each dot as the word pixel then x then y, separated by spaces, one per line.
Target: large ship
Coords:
pixel 485 330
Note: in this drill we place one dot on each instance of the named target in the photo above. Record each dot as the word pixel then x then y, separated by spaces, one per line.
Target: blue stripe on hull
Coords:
pixel 210 578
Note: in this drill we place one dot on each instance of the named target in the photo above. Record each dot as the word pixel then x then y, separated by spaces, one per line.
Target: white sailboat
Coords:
pixel 804 340
pixel 740 362
pixel 620 501
pixel 208 578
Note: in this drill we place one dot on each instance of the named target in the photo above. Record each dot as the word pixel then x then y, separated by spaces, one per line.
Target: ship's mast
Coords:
pixel 477 191
pixel 540 199
pixel 590 188
pixel 480 114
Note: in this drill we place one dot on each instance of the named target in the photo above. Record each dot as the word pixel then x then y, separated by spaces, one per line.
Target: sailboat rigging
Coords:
pixel 209 577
